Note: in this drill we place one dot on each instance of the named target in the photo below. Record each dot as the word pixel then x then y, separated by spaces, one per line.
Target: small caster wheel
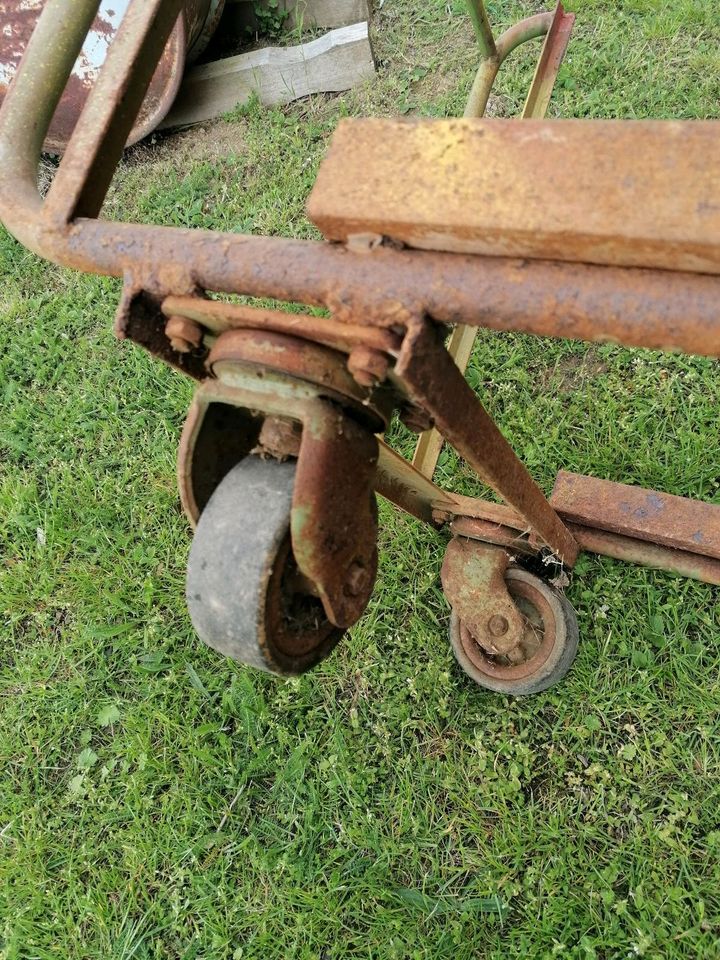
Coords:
pixel 546 651
pixel 245 594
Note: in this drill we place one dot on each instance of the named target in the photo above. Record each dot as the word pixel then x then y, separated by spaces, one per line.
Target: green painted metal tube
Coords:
pixel 483 30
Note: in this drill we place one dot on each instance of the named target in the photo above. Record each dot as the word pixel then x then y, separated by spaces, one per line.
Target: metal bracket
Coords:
pixel 334 519
pixel 473 579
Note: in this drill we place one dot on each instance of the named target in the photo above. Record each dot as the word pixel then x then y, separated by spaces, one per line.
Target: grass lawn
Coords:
pixel 158 801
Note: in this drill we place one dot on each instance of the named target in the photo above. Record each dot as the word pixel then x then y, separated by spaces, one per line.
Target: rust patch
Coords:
pixel 661 518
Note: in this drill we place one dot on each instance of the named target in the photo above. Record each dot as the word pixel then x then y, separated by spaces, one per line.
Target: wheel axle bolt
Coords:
pixel 498 626
pixel 356 580
pixel 184 334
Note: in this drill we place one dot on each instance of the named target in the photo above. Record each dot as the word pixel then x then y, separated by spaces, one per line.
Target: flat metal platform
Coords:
pixel 623 193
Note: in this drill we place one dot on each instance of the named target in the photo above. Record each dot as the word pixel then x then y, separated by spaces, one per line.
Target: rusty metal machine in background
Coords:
pixel 188 39
pixel 281 456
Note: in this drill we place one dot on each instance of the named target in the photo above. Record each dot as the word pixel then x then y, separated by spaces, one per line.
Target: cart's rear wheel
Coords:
pixel 245 595
pixel 546 651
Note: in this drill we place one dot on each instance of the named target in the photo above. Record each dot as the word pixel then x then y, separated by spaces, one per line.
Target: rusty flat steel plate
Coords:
pixel 628 193
pixel 661 518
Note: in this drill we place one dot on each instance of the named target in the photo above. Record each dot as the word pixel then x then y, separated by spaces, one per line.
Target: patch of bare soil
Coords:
pixel 209 142
pixel 572 372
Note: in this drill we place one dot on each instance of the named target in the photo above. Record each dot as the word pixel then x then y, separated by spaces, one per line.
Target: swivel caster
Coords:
pixel 511 631
pixel 245 594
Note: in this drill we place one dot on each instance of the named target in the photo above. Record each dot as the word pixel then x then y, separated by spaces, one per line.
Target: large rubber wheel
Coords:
pixel 546 651
pixel 245 596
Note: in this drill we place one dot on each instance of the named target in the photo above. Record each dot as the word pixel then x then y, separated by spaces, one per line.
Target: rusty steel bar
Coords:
pixel 553 52
pixel 653 555
pixel 387 287
pixel 641 194
pixel 498 534
pixel 662 518
pixel 635 307
pixel 435 384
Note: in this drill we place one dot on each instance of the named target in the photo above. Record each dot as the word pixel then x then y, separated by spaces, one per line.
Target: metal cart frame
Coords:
pixel 314 392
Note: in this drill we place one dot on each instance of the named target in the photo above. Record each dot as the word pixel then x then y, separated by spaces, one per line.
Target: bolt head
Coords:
pixel 498 626
pixel 184 335
pixel 368 367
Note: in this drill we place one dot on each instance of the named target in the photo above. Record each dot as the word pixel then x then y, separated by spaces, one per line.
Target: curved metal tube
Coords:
pixel 528 29
pixel 28 109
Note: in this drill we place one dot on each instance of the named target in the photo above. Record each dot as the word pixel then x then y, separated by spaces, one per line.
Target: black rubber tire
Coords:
pixel 558 662
pixel 237 575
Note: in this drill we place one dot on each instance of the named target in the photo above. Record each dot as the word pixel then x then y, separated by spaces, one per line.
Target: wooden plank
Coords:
pixel 339 60
pixel 311 13
pixel 628 193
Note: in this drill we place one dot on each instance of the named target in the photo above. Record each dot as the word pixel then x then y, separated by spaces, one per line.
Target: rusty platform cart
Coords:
pixel 280 459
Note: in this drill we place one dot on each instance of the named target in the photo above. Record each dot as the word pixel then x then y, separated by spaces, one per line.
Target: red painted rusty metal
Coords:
pixel 270 355
pixel 334 514
pixel 334 520
pixel 19 17
pixel 107 119
pixel 473 579
pixel 546 72
pixel 218 434
pixel 675 522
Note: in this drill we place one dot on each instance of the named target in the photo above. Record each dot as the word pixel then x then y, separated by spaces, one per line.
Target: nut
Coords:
pixel 184 335
pixel 368 367
pixel 280 438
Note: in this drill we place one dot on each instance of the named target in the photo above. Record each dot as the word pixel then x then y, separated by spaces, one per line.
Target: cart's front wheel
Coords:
pixel 245 595
pixel 545 652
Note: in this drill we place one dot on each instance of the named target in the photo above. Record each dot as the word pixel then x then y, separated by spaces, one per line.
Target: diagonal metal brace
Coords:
pixel 434 383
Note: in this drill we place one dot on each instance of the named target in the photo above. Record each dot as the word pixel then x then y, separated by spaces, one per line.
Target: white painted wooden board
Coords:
pixel 320 13
pixel 339 60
